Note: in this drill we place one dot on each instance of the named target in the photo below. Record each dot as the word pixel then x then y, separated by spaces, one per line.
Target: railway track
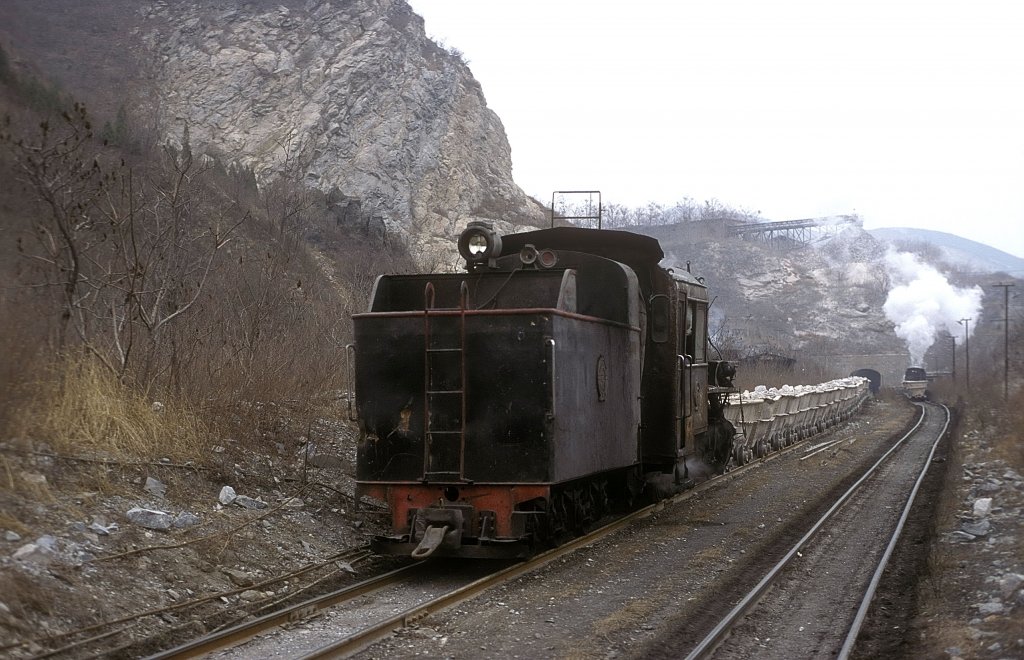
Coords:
pixel 126 634
pixel 813 602
pixel 361 614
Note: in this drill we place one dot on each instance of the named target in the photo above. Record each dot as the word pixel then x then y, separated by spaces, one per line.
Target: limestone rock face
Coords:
pixel 349 96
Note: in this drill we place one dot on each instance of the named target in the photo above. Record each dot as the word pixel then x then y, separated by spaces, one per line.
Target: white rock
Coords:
pixel 1009 583
pixel 227 495
pixel 982 507
pixel 155 487
pixel 150 518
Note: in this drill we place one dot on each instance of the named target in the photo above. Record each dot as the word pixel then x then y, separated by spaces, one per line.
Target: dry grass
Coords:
pixel 81 408
pixel 1008 446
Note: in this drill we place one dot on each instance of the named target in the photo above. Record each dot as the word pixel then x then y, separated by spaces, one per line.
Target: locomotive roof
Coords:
pixel 622 246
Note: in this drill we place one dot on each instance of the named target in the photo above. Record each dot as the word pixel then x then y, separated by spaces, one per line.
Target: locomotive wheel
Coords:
pixel 739 455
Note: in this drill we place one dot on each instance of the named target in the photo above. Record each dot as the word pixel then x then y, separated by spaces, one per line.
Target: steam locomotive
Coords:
pixel 915 384
pixel 564 375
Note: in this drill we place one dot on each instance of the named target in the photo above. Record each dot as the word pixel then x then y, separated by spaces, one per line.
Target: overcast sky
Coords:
pixel 907 113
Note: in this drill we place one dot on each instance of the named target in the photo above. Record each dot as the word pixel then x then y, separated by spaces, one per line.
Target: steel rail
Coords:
pixel 865 605
pixel 377 631
pixel 239 633
pixel 353 555
pixel 720 631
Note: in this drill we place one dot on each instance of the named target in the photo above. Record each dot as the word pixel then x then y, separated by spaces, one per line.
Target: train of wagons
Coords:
pixel 564 375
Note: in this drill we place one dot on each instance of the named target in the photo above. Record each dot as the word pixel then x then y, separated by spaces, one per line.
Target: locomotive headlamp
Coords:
pixel 479 243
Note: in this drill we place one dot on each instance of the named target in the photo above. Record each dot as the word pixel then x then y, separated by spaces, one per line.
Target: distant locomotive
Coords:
pixel 915 384
pixel 564 375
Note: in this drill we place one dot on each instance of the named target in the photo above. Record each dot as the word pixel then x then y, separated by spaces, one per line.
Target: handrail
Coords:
pixel 350 362
pixel 551 370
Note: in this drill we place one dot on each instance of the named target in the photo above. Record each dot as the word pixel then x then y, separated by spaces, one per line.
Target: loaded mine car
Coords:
pixel 563 375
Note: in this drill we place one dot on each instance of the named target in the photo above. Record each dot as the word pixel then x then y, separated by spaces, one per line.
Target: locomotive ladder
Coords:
pixel 444 393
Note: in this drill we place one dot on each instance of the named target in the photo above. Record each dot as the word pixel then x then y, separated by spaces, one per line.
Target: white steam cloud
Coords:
pixel 921 303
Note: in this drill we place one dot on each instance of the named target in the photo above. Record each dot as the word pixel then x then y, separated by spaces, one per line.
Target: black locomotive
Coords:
pixel 563 375
pixel 915 384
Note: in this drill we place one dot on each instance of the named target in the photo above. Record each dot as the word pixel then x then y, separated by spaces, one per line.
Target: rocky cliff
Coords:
pixel 351 96
pixel 348 95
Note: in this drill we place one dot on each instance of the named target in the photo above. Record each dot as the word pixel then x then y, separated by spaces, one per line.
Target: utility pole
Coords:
pixel 1006 340
pixel 953 370
pixel 967 347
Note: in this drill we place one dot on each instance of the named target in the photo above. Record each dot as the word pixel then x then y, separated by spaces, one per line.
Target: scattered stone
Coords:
pixel 157 407
pixel 238 578
pixel 992 607
pixel 185 519
pixel 1010 583
pixel 28 552
pixel 42 548
pixel 155 487
pixel 981 528
pixel 150 518
pixel 294 503
pixel 250 595
pixel 47 542
pixel 12 536
pixel 982 507
pixel 345 566
pixel 249 503
pixel 227 495
pixel 100 526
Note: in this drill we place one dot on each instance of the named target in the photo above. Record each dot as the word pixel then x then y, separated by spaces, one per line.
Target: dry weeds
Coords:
pixel 81 409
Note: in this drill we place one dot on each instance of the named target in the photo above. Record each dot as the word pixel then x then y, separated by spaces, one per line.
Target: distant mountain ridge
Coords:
pixel 957 250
